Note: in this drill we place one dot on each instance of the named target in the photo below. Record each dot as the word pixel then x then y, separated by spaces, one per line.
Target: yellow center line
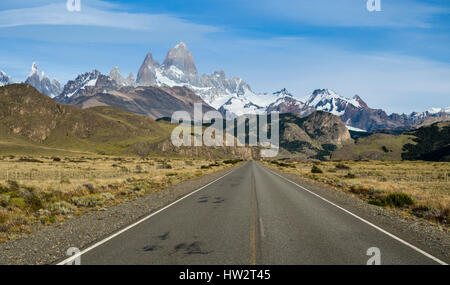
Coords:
pixel 252 222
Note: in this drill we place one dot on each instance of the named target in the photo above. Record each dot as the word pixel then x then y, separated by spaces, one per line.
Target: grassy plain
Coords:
pixel 415 187
pixel 48 189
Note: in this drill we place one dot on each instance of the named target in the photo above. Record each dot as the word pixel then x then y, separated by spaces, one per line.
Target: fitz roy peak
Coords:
pixel 42 83
pixel 232 95
pixel 181 58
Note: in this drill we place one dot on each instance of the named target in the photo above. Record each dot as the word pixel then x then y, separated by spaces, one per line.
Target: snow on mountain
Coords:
pixel 329 101
pixel 238 106
pixel 350 128
pixel 74 87
pixel 438 110
pixel 286 103
pixel 233 95
pixel 115 75
pixel 43 84
pixel 4 79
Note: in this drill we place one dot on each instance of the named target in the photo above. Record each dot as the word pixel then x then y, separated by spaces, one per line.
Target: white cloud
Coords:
pixel 57 14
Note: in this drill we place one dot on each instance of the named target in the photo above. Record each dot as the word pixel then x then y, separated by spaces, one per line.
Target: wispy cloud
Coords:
pixel 101 15
pixel 352 13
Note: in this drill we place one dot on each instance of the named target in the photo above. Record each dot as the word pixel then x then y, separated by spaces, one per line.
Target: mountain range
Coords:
pixel 42 83
pixel 31 122
pixel 160 89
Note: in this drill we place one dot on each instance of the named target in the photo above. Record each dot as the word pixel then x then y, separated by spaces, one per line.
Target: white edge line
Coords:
pixel 73 257
pixel 365 221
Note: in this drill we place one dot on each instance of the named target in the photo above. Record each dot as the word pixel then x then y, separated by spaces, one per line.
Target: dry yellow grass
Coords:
pixel 428 183
pixel 49 189
pixel 69 173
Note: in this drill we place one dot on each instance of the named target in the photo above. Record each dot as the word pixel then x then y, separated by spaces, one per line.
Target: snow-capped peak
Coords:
pixel 329 101
pixel 115 75
pixel 73 87
pixel 34 69
pixel 4 79
pixel 43 83
pixel 328 95
pixel 282 93
pixel 439 110
pixel 181 45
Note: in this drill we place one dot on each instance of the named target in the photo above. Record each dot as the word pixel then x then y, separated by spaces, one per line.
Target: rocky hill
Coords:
pixel 430 143
pixel 31 117
pixel 31 122
pixel 314 136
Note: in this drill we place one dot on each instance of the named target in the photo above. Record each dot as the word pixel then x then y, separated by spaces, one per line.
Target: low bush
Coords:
pixel 88 201
pixel 4 200
pixel 397 200
pixel 316 169
pixel 232 161
pixel 350 176
pixel 26 159
pixel 107 196
pixel 18 202
pixel 62 208
pixel 342 166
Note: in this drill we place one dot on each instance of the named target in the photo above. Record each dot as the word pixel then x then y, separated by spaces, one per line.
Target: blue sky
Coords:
pixel 397 59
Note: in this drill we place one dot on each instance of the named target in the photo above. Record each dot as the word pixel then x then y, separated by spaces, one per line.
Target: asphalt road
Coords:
pixel 252 216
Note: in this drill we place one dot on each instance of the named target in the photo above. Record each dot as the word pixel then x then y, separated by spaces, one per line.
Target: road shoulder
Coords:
pixel 420 233
pixel 49 244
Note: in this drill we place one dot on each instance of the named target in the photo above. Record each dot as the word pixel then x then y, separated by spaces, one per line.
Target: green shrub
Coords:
pixel 62 208
pixel 26 159
pixel 88 201
pixel 376 203
pixel 232 161
pixel 4 200
pixel 316 169
pixel 361 189
pixel 350 175
pixel 18 202
pixel 33 200
pixel 107 196
pixel 385 149
pixel 397 200
pixel 394 200
pixel 164 166
pixel 13 185
pixel 342 166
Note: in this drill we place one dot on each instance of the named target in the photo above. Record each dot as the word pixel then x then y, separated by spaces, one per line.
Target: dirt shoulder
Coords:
pixel 47 245
pixel 429 237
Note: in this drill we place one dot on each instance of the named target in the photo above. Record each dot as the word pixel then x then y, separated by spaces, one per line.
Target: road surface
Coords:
pixel 252 216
